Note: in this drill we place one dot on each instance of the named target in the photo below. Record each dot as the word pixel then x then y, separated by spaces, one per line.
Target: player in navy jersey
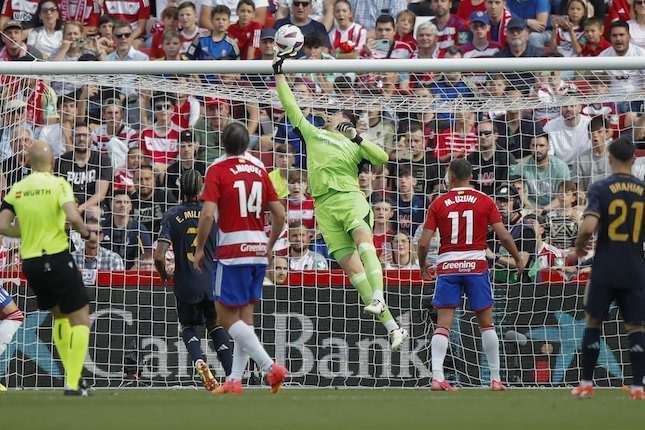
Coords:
pixel 616 210
pixel 193 291
pixel 239 190
pixel 462 216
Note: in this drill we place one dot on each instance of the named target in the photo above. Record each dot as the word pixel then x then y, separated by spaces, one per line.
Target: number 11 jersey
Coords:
pixel 241 188
pixel 462 216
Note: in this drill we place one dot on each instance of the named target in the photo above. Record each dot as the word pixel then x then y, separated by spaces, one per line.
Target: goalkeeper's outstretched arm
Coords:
pixel 297 119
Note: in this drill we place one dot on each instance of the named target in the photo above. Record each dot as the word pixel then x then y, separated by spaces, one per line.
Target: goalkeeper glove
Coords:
pixel 278 59
pixel 348 130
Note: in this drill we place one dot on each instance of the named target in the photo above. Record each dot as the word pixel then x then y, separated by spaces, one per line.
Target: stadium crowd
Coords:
pixel 123 148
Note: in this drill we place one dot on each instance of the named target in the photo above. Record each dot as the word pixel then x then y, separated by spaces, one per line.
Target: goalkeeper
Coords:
pixel 342 212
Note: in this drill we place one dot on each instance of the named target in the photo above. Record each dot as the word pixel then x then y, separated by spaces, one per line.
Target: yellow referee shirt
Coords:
pixel 37 202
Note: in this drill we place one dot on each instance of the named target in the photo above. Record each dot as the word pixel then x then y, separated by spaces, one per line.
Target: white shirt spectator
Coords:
pixel 310 261
pixel 53 135
pixel 637 33
pixel 45 42
pixel 626 81
pixel 566 142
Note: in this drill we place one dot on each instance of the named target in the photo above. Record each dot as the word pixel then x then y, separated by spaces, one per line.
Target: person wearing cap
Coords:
pixel 14 117
pixel 186 161
pixel 535 14
pixel 208 129
pixel 480 46
pixel 517 36
pixel 13 39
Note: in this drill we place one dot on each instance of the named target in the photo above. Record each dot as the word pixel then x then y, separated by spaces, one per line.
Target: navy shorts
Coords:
pixel 5 298
pixel 631 303
pixel 238 285
pixel 192 314
pixel 450 288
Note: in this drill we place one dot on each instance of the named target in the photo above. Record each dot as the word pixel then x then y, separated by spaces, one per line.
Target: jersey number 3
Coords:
pixel 251 202
pixel 454 235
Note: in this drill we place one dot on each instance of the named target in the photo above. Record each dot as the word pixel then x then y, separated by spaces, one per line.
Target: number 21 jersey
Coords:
pixel 242 190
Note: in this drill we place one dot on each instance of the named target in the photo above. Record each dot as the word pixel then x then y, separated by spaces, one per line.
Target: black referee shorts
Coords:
pixel 192 314
pixel 56 281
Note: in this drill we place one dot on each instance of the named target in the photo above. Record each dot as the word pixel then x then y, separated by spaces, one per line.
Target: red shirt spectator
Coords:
pixel 467 7
pixel 85 11
pixel 588 51
pixel 20 10
pixel 130 11
pixel 449 142
pixel 163 148
pixel 352 39
pixel 246 37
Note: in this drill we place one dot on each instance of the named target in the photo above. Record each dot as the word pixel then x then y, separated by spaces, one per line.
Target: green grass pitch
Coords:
pixel 304 409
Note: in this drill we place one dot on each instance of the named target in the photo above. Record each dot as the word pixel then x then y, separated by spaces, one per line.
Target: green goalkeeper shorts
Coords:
pixel 340 214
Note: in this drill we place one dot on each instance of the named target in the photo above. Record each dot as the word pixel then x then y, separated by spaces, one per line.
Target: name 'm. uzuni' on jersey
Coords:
pixel 462 216
pixel 241 188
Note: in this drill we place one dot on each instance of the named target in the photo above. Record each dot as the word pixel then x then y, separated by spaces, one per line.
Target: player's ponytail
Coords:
pixel 190 185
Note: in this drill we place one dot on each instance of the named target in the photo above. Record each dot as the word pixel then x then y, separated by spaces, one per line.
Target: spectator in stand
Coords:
pixel 57 131
pixel 551 89
pixel 93 256
pixel 161 140
pixel 535 15
pixel 300 17
pixel 76 44
pixel 124 178
pixel 13 40
pixel 592 164
pixel 568 133
pixel 208 130
pixel 467 8
pixel 499 17
pixel 625 81
pixel 300 256
pixel 490 163
pixel 568 30
pixel 542 173
pixel 517 37
pixel 494 87
pixel 451 85
pixel 480 46
pixel 593 42
pixel 277 271
pixel 564 219
pixel 451 29
pixel 420 7
pixel 106 26
pixel 171 47
pixel 21 11
pixel 123 234
pixel 366 182
pixel 383 44
pixel 150 203
pixel 427 46
pixel 347 38
pixel 46 35
pixel 458 141
pixel 300 205
pixel 16 167
pixel 383 233
pixel 409 206
pixel 313 49
pixel 134 12
pixel 405 28
pixel 284 159
pixel 169 22
pixel 403 257
pixel 217 44
pixel 89 172
pixel 549 256
pixel 515 128
pixel 14 118
pixel 186 161
pixel 87 12
pixel 377 127
pixel 637 23
pixel 366 13
pixel 207 6
pixel 114 136
pixel 246 31
pixel 190 31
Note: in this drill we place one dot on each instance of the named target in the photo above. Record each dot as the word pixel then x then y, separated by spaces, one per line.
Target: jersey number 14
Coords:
pixel 251 202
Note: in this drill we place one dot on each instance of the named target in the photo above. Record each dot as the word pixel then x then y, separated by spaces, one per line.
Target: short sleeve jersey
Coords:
pixel 84 179
pixel 462 217
pixel 241 188
pixel 37 201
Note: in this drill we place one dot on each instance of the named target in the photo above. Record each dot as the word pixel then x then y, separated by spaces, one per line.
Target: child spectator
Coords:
pixel 124 178
pixel 451 85
pixel 187 16
pixel 313 49
pixel 284 158
pixel 246 31
pixel 480 46
pixel 217 44
pixel 347 38
pixel 410 207
pixel 403 257
pixel 405 27
pixel 593 42
pixel 300 205
pixel 106 25
pixel 161 141
pixel 458 141
pixel 171 47
pixel 568 29
pixel 563 221
pixel 383 232
pixel 169 22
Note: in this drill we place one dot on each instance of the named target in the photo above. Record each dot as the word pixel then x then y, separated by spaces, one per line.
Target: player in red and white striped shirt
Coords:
pixel 239 190
pixel 462 216
pixel 134 12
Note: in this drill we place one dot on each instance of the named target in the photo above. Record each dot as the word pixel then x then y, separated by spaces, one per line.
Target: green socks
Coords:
pixel 62 331
pixel 372 265
pixel 78 344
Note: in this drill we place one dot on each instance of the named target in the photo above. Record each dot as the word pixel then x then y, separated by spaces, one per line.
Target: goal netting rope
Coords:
pixel 312 321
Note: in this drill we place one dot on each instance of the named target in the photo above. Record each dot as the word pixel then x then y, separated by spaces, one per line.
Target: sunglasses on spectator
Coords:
pixel 161 106
pixel 642 2
pixel 122 35
pixel 49 9
pixel 485 133
pixel 301 3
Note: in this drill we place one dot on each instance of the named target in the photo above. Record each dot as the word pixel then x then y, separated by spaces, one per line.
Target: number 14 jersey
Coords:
pixel 241 188
pixel 462 216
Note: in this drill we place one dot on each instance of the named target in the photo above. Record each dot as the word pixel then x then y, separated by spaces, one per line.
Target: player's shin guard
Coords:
pixel 223 348
pixel 490 345
pixel 78 343
pixel 8 327
pixel 590 352
pixel 193 343
pixel 245 337
pixel 373 269
pixel 61 335
pixel 439 347
pixel 637 356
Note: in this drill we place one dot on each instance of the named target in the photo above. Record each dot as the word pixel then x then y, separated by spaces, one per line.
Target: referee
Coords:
pixel 42 203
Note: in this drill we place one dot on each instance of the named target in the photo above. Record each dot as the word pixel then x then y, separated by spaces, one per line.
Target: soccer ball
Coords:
pixel 289 38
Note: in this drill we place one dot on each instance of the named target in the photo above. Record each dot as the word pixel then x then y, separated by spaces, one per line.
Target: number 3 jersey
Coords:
pixel 241 188
pixel 462 216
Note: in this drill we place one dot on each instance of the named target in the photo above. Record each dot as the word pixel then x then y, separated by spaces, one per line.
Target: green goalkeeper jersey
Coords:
pixel 332 159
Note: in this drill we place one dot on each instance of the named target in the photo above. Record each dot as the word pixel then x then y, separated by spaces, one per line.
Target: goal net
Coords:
pixel 143 130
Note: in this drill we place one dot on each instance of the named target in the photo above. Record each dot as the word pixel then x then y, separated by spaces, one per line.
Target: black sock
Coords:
pixel 590 351
pixel 637 356
pixel 193 344
pixel 222 347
